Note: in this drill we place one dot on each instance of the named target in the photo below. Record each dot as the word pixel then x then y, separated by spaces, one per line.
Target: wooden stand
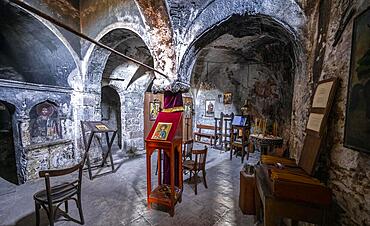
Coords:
pixel 170 187
pixel 164 194
pixel 96 127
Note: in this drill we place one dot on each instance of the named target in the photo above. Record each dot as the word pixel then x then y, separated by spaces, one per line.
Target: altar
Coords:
pixel 265 143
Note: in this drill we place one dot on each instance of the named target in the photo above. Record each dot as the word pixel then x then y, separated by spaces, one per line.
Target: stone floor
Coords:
pixel 120 198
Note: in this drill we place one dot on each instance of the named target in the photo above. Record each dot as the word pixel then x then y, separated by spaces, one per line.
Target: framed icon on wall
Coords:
pixel 210 108
pixel 228 98
pixel 154 109
pixel 356 132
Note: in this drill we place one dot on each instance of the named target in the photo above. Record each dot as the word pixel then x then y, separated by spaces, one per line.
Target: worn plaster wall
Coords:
pixel 192 20
pixel 49 58
pixel 99 17
pixel 263 85
pixel 159 29
pixel 66 11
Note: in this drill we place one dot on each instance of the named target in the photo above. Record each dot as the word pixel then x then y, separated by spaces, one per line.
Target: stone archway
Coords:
pixel 128 79
pixel 253 56
pixel 8 167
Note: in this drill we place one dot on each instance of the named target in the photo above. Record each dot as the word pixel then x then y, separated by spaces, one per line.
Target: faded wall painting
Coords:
pixel 45 124
pixel 357 129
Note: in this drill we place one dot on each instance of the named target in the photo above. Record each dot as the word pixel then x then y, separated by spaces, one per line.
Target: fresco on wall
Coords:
pixel 45 124
pixel 357 132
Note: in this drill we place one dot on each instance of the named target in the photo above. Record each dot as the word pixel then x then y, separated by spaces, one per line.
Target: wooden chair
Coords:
pixel 59 194
pixel 218 130
pixel 197 165
pixel 227 119
pixel 239 142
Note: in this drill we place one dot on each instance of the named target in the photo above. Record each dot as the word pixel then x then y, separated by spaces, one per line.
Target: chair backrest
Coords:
pixel 187 148
pixel 201 126
pixel 227 119
pixel 200 158
pixel 62 172
pixel 218 124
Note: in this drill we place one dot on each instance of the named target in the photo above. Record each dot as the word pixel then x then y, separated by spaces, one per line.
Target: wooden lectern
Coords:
pixel 166 137
pixel 94 128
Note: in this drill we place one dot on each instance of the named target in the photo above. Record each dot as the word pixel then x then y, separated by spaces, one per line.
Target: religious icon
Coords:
pixel 101 127
pixel 210 108
pixel 188 108
pixel 357 133
pixel 161 131
pixel 44 123
pixel 154 109
pixel 228 98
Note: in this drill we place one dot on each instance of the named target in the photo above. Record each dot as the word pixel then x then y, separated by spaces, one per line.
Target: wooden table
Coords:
pixel 266 143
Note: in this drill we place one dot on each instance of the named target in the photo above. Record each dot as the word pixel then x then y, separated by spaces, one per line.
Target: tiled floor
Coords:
pixel 120 198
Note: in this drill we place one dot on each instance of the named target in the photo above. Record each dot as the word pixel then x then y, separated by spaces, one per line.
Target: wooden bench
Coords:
pixel 210 134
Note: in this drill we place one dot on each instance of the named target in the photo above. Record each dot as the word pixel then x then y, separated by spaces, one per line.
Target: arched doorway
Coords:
pixel 130 80
pixel 8 168
pixel 250 59
pixel 111 111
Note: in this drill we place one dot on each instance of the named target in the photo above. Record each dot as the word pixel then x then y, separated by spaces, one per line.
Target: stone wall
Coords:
pixel 32 156
pixel 346 171
pixel 349 170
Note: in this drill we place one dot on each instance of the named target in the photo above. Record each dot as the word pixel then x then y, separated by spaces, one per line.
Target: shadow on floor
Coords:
pixel 6 187
pixel 61 216
pixel 100 171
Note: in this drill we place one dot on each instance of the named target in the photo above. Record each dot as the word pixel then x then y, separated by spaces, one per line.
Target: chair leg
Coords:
pixel 79 206
pixel 243 154
pixel 196 182
pixel 89 166
pixel 37 211
pixel 66 206
pixel 51 215
pixel 204 178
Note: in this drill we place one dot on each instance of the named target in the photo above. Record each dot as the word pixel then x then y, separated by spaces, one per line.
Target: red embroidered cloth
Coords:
pixel 170 117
